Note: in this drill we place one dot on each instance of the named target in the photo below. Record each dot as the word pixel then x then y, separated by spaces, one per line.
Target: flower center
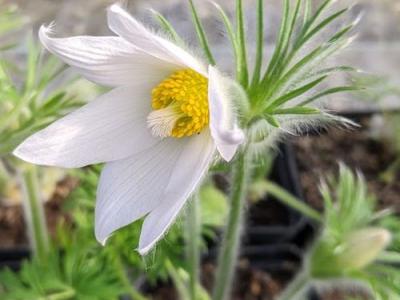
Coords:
pixel 180 105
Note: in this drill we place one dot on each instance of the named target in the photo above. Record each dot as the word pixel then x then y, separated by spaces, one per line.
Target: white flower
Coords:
pixel 158 129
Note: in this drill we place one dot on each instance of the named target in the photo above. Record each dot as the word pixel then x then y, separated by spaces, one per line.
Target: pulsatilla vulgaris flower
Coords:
pixel 158 130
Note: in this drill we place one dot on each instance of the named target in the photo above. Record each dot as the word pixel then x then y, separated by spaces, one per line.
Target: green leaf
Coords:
pixel 331 91
pixel 30 109
pixel 167 26
pixel 243 76
pixel 214 206
pixel 292 24
pixel 78 273
pixel 284 44
pixel 305 66
pixel 231 35
pixel 329 71
pixel 315 17
pixel 298 110
pixel 321 26
pixel 201 34
pixel 31 68
pixel 294 94
pixel 280 41
pixel 281 74
pixel 260 43
pixel 272 120
pixel 307 11
pixel 341 33
pixel 54 100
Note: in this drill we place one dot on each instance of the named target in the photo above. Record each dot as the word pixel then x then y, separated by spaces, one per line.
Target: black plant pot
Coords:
pixel 12 258
pixel 278 248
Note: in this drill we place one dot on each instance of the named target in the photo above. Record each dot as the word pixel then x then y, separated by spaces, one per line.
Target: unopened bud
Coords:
pixel 362 247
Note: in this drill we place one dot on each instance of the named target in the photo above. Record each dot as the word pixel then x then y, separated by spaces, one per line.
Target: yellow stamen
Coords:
pixel 180 105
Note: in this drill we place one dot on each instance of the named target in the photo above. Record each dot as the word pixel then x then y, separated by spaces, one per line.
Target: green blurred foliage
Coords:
pixel 350 212
pixel 76 272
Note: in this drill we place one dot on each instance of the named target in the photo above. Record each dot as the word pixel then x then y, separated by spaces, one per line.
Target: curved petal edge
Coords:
pixel 223 115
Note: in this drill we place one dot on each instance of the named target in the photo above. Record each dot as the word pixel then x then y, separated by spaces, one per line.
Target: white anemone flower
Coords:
pixel 158 130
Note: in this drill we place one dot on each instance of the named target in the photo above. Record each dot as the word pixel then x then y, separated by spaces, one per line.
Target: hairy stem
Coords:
pixel 231 242
pixel 291 201
pixel 297 288
pixel 178 282
pixel 193 244
pixel 34 211
pixel 123 276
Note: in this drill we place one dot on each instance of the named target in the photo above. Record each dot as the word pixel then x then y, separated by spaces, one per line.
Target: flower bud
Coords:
pixel 362 247
pixel 333 258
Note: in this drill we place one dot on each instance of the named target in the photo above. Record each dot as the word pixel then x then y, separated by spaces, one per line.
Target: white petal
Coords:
pixel 111 127
pixel 187 174
pixel 223 120
pixel 123 24
pixel 109 61
pixel 132 187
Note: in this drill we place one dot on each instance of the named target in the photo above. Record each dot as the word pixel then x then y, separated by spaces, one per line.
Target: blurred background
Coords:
pixel 376 49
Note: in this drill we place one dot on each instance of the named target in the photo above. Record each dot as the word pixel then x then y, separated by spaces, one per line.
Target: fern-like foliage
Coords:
pixel 121 245
pixel 31 98
pixel 76 273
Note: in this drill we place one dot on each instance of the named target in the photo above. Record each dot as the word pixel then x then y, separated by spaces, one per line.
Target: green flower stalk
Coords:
pixel 193 234
pixel 34 211
pixel 230 244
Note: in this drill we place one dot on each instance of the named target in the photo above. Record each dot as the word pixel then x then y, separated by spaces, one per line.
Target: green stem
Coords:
pixel 178 282
pixel 230 244
pixel 122 274
pixel 243 75
pixel 297 288
pixel 282 195
pixel 193 244
pixel 34 212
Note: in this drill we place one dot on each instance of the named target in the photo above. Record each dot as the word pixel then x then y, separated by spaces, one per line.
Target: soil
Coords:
pixel 250 284
pixel 12 226
pixel 268 213
pixel 318 156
